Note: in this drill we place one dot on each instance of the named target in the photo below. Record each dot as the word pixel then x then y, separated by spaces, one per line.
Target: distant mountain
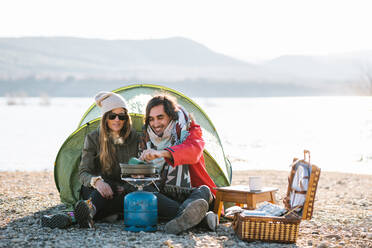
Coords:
pixel 83 58
pixel 73 66
pixel 319 68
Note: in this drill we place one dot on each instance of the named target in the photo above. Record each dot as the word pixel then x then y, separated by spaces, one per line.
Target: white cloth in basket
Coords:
pixel 271 209
pixel 300 184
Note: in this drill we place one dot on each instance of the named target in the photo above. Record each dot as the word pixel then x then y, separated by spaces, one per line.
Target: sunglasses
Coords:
pixel 122 117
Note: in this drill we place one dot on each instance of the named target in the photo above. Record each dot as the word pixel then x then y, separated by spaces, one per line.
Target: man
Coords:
pixel 175 141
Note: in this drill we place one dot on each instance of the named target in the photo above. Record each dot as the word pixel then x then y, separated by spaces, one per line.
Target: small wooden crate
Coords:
pixel 280 229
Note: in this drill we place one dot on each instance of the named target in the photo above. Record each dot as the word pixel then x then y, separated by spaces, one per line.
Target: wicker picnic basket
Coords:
pixel 283 229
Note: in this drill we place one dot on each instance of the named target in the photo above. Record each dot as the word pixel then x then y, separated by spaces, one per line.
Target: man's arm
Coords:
pixel 190 151
pixel 151 154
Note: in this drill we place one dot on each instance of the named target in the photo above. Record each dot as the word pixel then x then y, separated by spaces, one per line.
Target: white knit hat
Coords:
pixel 108 101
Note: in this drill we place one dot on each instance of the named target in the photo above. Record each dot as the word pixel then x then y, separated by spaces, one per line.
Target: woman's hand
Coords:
pixel 151 154
pixel 104 189
pixel 120 189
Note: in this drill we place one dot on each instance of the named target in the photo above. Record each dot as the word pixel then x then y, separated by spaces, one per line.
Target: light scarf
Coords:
pixel 178 175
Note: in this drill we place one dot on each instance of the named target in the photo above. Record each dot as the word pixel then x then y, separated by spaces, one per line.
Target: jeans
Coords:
pixel 203 192
pixel 167 208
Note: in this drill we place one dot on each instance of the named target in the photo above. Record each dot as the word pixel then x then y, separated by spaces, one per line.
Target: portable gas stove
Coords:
pixel 140 207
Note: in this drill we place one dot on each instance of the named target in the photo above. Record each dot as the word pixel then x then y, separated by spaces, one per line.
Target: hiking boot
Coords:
pixel 212 220
pixel 56 221
pixel 191 216
pixel 206 190
pixel 84 213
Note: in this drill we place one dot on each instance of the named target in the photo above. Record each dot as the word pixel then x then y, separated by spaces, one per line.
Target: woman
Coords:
pixel 112 143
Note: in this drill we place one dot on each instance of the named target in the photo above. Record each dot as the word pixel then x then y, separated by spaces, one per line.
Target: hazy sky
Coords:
pixel 249 30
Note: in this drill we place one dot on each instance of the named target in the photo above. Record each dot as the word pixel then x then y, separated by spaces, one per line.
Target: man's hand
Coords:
pixel 104 189
pixel 151 154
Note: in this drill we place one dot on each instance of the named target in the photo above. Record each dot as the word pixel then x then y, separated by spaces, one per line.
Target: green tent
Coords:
pixel 68 158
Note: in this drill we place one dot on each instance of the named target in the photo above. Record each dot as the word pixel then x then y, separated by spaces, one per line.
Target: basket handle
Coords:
pixel 235 221
pixel 292 210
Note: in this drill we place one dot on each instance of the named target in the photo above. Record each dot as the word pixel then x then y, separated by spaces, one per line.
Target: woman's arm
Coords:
pixel 87 168
pixel 88 173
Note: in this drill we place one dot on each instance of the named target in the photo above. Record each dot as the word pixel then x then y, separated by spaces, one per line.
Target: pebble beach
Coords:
pixel 342 216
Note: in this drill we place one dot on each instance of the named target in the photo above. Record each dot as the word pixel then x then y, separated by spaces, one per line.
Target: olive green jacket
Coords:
pixel 90 165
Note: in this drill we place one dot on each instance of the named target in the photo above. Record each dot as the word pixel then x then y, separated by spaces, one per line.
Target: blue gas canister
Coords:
pixel 140 212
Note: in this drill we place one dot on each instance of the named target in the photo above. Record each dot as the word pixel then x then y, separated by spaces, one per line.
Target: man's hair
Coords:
pixel 169 103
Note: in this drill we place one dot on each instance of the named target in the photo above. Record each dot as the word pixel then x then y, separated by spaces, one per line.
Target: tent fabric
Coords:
pixel 137 97
pixel 66 174
pixel 68 158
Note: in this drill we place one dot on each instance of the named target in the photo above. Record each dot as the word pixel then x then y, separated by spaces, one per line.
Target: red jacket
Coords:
pixel 191 152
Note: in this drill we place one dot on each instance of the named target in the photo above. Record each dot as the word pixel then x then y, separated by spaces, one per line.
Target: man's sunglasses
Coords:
pixel 122 117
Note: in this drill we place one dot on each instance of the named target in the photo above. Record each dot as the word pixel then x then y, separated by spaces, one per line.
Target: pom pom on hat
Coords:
pixel 108 101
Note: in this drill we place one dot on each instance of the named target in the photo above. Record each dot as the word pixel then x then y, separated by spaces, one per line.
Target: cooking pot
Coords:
pixel 138 169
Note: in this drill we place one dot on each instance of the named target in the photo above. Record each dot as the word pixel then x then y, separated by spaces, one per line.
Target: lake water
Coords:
pixel 257 133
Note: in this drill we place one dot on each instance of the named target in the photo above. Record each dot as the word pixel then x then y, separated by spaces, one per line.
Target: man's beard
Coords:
pixel 159 135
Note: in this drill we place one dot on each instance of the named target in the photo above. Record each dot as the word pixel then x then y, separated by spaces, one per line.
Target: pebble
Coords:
pixel 335 222
pixel 323 245
pixel 333 236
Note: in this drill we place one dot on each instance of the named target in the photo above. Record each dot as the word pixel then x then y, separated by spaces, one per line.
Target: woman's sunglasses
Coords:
pixel 122 117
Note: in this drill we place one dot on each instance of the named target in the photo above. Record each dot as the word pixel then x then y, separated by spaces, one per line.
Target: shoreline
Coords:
pixel 234 170
pixel 342 215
